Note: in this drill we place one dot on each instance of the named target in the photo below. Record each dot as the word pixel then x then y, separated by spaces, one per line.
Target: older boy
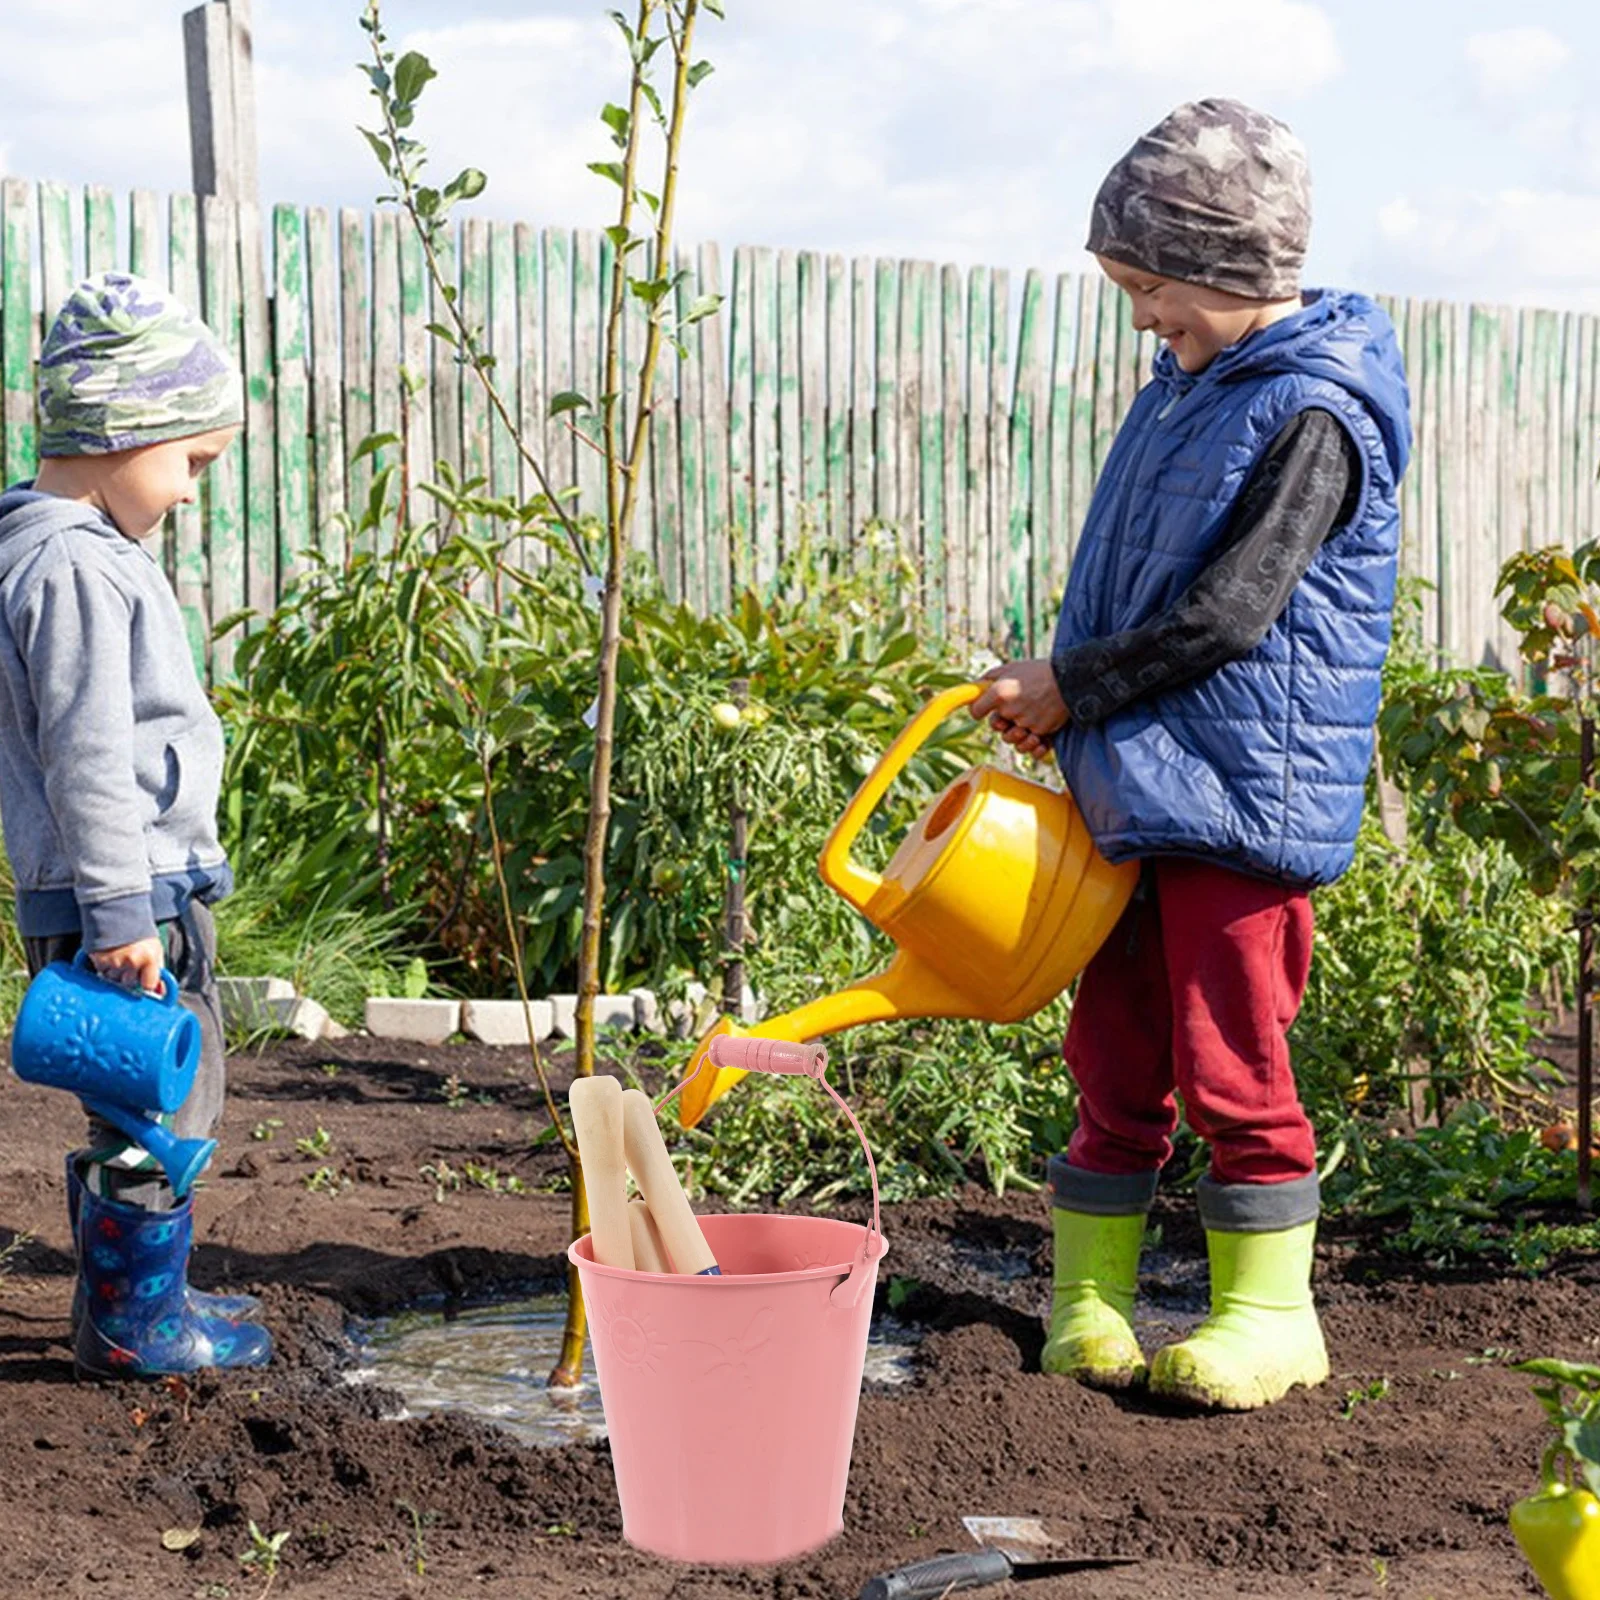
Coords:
pixel 1210 696
pixel 110 762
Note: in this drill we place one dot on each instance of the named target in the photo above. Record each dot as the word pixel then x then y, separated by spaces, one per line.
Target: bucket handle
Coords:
pixel 811 1061
pixel 857 883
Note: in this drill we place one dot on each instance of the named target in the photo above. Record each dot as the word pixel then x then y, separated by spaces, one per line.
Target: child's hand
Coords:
pixel 1023 705
pixel 128 964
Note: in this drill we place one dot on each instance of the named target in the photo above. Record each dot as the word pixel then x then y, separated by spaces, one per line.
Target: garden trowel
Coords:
pixel 1010 1547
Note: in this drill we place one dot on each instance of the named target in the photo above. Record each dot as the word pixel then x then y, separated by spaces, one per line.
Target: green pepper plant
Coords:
pixel 1558 1529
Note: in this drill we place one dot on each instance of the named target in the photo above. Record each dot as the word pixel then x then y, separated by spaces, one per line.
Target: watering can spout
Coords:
pixel 996 900
pixel 905 988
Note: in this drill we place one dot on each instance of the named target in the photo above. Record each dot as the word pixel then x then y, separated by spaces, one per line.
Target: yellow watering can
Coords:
pixel 997 898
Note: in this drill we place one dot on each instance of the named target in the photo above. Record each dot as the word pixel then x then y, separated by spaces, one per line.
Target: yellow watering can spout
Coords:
pixel 996 899
pixel 902 989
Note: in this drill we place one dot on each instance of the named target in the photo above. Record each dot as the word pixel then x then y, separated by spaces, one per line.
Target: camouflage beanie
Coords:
pixel 1215 194
pixel 126 364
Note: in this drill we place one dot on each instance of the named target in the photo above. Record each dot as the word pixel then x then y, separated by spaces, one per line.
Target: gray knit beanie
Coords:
pixel 1216 194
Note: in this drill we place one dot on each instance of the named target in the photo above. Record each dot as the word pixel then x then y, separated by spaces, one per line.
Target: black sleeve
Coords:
pixel 1305 485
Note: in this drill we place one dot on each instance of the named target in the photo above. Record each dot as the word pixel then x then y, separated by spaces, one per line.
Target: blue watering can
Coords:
pixel 127 1055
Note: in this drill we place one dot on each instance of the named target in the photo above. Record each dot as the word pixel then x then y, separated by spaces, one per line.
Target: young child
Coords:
pixel 110 762
pixel 1210 695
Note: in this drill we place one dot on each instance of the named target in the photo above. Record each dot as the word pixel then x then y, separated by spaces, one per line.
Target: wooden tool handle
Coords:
pixel 597 1120
pixel 649 1254
pixel 657 1178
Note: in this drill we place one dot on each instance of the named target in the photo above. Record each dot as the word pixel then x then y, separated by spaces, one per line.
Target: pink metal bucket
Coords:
pixel 731 1400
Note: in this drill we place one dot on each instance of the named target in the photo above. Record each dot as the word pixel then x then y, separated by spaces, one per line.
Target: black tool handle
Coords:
pixel 939 1575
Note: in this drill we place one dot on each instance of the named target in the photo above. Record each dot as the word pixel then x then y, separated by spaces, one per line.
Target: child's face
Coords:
pixel 137 488
pixel 1196 322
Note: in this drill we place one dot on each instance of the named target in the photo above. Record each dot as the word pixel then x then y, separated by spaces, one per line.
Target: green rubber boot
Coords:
pixel 1262 1337
pixel 1096 1272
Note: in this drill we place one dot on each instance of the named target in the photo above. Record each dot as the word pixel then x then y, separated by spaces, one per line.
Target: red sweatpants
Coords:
pixel 1194 990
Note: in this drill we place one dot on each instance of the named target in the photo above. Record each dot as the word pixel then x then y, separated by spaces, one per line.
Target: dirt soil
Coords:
pixel 1399 1495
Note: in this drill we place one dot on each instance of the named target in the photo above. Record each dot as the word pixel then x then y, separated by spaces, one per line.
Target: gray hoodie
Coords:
pixel 110 753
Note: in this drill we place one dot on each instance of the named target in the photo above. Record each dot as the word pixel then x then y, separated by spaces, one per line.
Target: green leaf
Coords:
pixel 700 307
pixel 467 184
pixel 372 444
pixel 440 331
pixel 411 73
pixel 380 148
pixel 649 199
pixel 701 69
pixel 649 290
pixel 621 239
pixel 714 7
pixel 613 170
pixel 617 120
pixel 569 400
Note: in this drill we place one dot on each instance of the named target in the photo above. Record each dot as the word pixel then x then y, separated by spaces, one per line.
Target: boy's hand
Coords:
pixel 1023 705
pixel 128 964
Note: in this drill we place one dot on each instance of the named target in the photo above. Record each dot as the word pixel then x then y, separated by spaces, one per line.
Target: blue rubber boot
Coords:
pixel 137 1319
pixel 235 1307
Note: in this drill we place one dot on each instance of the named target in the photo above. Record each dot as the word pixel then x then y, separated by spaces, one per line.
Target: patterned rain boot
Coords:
pixel 1262 1337
pixel 234 1307
pixel 137 1319
pixel 1091 1334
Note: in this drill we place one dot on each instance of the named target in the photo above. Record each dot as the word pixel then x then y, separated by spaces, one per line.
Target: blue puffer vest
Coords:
pixel 1260 765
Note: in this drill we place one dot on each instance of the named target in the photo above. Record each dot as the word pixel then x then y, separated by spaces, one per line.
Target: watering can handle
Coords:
pixel 856 883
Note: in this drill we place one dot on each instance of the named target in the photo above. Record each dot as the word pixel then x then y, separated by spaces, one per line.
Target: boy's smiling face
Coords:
pixel 1196 322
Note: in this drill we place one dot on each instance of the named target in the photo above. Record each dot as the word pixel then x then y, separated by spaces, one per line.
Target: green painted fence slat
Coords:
pixel 505 473
pixel 444 371
pixel 258 448
pixel 355 352
pixel 813 295
pixel 836 425
pixel 952 337
pixel 790 484
pixel 664 475
pixel 18 327
pixel 472 423
pixel 765 483
pixel 144 236
pixel 415 356
pixel 223 488
pixel 741 378
pixel 688 419
pixel 289 363
pixel 590 306
pixel 100 230
pixel 57 260
pixel 715 422
pixel 1081 466
pixel 930 448
pixel 328 447
pixel 886 366
pixel 530 401
pixel 908 396
pixel 186 565
pixel 999 452
pixel 1052 544
pixel 387 357
pixel 862 397
pixel 1025 407
pixel 561 463
pixel 978 411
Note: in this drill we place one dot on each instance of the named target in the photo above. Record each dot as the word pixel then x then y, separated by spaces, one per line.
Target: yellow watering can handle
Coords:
pixel 856 883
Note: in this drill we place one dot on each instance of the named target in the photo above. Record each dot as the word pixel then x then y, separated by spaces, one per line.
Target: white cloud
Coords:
pixel 1514 64
pixel 1522 246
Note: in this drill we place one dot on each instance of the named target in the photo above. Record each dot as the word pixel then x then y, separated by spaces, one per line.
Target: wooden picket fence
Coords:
pixel 829 402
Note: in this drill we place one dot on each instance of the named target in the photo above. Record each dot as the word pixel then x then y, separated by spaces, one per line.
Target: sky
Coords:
pixel 1454 144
